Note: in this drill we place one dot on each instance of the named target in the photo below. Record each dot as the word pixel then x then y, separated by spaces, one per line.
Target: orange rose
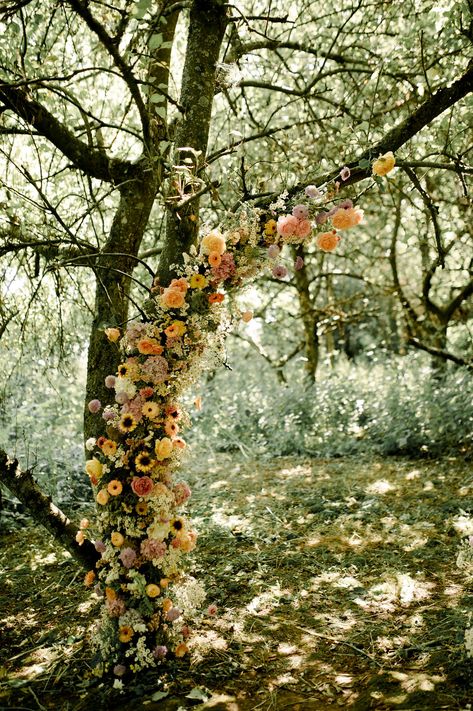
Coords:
pixel 149 346
pixel 343 219
pixel 182 284
pixel 213 242
pixel 384 164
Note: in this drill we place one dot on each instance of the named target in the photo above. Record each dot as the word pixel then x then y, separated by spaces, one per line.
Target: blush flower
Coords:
pixel 287 225
pixel 94 406
pixel 327 241
pixel 128 557
pixel 301 212
pixel 344 219
pixel 173 298
pixel 142 485
pixel 345 173
pixel 279 272
pixel 213 242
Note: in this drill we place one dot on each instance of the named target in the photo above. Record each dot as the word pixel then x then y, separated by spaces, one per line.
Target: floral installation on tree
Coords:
pixel 142 536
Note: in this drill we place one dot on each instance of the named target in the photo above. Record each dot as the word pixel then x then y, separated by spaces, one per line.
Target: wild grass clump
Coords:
pixel 394 406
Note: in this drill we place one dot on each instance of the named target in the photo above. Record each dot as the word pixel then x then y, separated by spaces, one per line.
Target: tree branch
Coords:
pixel 92 161
pixel 437 352
pixel 24 487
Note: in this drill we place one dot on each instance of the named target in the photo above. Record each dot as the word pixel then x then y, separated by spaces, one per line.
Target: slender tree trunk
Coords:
pixel 308 319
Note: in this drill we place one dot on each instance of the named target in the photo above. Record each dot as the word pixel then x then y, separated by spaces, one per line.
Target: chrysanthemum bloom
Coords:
pixel 298 264
pixel 182 284
pixel 212 609
pixel 247 316
pixel 99 546
pixel 113 334
pixel 89 578
pixel 345 173
pixel 215 259
pixel 286 225
pixel 125 633
pixel 115 607
pixel 173 298
pixel 128 557
pixel 226 268
pixel 127 423
pixel 163 448
pixel 152 590
pixel 344 219
pixel 198 281
pixel 303 229
pixel 312 191
pixel 171 428
pixel 176 329
pixel 384 164
pixel 110 594
pixel 141 508
pixel 164 583
pixel 216 298
pixel 160 651
pixel 301 212
pixel 102 497
pixel 213 242
pixel 142 485
pixel 149 346
pixel 279 271
pixel 327 241
pixel 94 468
pixel 119 669
pixel 181 650
pixel 150 410
pixel 273 251
pixel 117 539
pixel 155 369
pixel 151 549
pixel 146 392
pixel 143 462
pixel 270 228
pixel 322 218
pixel 109 448
pixel 114 487
pixel 94 406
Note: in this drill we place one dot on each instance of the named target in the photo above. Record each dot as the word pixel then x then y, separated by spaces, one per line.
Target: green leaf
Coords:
pixel 198 694
pixel 155 41
pixel 161 111
pixel 364 163
pixel 158 695
pixel 156 98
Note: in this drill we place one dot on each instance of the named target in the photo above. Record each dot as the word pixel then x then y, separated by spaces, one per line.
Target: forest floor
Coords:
pixel 335 582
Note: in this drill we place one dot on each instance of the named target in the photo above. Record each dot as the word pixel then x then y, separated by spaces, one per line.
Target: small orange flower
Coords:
pixel 109 447
pixel 181 650
pixel 171 428
pixel 179 443
pixel 182 284
pixel 167 604
pixel 215 259
pixel 110 594
pixel 164 582
pixel 173 298
pixel 89 578
pixel 114 487
pixel 216 298
pixel 125 633
pixel 176 329
pixel 113 334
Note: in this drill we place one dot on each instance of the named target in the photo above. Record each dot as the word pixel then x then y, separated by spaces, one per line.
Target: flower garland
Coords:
pixel 142 537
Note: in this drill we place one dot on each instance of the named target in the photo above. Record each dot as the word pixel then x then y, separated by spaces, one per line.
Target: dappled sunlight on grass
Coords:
pixel 381 486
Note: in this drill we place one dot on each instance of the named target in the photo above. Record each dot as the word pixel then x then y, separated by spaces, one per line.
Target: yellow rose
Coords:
pixel 384 164
pixel 163 448
pixel 102 497
pixel 152 590
pixel 94 468
pixel 117 539
pixel 113 334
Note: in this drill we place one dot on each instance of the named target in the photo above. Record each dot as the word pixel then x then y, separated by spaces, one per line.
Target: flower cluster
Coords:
pixel 143 537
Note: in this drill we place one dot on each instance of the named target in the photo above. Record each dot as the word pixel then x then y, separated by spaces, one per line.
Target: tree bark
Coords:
pixel 308 316
pixel 41 508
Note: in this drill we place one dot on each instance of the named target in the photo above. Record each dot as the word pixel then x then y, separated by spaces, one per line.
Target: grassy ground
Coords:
pixel 335 582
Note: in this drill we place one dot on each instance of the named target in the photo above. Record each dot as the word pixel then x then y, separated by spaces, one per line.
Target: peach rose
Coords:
pixel 182 284
pixel 149 346
pixel 344 219
pixel 102 497
pixel 287 225
pixel 173 298
pixel 384 164
pixel 215 259
pixel 113 334
pixel 327 241
pixel 213 242
pixel 303 228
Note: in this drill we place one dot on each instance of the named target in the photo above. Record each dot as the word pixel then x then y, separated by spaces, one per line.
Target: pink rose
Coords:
pixel 287 225
pixel 142 485
pixel 303 228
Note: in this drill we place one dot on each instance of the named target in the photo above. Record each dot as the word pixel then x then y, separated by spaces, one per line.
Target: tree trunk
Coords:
pixel 44 512
pixel 309 321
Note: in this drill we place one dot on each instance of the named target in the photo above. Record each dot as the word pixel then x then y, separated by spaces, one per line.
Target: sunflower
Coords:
pixel 123 370
pixel 127 423
pixel 143 462
pixel 141 508
pixel 177 525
